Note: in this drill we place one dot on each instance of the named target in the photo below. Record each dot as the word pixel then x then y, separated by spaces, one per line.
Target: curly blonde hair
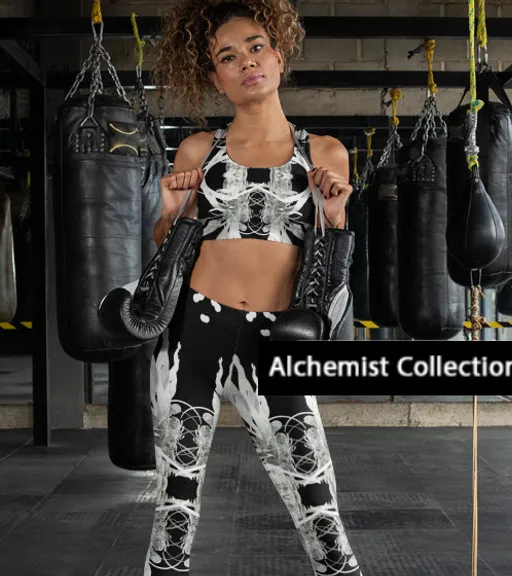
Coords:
pixel 183 59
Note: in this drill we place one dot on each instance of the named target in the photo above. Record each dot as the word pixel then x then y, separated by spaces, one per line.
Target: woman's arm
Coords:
pixel 189 156
pixel 332 176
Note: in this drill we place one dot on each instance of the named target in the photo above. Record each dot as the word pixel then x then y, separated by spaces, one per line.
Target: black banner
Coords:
pixel 384 367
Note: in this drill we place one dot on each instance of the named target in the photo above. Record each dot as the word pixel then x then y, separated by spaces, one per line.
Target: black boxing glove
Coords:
pixel 147 313
pixel 321 306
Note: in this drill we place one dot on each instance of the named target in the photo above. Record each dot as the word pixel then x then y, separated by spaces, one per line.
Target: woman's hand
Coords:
pixel 174 188
pixel 335 190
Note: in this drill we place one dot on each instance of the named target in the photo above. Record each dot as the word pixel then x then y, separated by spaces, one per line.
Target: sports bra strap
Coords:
pixel 319 204
pixel 319 201
pixel 216 138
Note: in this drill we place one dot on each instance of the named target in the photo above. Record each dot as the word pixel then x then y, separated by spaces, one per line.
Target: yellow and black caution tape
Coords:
pixel 8 326
pixel 468 325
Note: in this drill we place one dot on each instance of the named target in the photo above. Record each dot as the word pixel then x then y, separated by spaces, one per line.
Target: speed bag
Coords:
pixel 154 167
pixel 359 271
pixel 8 292
pixel 494 139
pixel 98 215
pixel 383 254
pixel 430 304
pixel 504 299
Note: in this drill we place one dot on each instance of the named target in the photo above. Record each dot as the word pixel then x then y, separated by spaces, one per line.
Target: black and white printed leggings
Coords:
pixel 212 355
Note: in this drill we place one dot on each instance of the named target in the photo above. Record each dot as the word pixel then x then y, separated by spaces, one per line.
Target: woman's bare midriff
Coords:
pixel 247 274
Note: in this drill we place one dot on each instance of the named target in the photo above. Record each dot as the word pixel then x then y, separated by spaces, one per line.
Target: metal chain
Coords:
pixel 142 95
pixel 113 73
pixel 161 110
pixel 427 123
pixel 93 61
pixel 394 143
pixel 366 174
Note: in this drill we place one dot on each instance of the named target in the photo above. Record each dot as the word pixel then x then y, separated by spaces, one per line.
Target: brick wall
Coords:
pixel 347 54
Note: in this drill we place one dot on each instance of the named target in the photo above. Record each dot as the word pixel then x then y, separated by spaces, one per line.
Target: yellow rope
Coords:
pixel 482 26
pixel 369 135
pixel 429 46
pixel 476 105
pixel 356 173
pixel 139 49
pixel 396 94
pixel 96 16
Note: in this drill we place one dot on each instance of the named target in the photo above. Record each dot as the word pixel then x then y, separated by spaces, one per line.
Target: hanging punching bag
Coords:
pixel 383 216
pixel 23 252
pixel 130 425
pixel 8 294
pixel 504 299
pixel 383 250
pixel 357 216
pixel 430 304
pixel 480 201
pixel 98 211
pixel 358 223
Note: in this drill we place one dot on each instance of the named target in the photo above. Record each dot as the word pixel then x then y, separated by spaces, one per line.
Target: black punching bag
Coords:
pixel 8 292
pixel 98 213
pixel 383 250
pixel 431 306
pixel 359 271
pixel 504 299
pixel 480 202
pixel 130 423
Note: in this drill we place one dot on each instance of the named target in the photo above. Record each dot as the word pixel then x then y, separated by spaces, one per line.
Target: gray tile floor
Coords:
pixel 405 497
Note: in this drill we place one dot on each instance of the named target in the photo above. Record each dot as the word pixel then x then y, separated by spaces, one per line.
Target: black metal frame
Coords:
pixel 315 27
pixel 26 73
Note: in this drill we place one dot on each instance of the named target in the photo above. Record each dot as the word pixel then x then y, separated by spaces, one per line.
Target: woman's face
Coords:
pixel 247 68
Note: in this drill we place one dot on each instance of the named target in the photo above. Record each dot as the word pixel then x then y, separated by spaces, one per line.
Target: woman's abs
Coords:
pixel 252 275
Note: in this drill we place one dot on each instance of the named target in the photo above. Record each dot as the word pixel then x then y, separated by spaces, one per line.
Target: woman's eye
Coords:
pixel 228 58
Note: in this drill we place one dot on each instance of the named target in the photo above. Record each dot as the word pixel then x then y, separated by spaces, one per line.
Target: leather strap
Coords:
pixel 492 82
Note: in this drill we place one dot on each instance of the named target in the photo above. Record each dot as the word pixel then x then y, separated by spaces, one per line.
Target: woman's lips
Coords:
pixel 251 80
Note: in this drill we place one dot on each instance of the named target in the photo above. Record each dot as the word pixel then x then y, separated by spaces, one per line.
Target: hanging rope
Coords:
pixel 477 321
pixel 368 167
pixel 474 561
pixel 475 105
pixel 482 25
pixel 430 46
pixel 140 44
pixel 96 15
pixel 355 171
pixel 369 136
pixel 396 94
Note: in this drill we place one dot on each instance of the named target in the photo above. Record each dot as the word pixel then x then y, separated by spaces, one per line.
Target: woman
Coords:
pixel 252 188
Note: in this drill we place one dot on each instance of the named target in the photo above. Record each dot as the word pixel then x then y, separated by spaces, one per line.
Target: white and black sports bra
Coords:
pixel 275 204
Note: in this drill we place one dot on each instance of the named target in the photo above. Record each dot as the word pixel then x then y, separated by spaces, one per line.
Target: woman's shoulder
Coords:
pixel 193 149
pixel 326 147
